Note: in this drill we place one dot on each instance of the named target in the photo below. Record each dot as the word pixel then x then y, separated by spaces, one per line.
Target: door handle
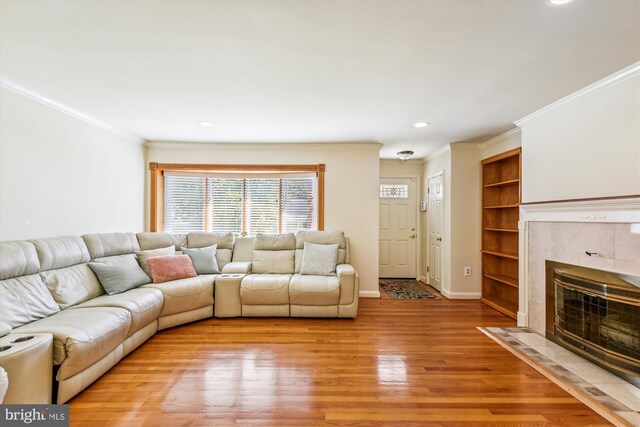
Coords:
pixel 439 239
pixel 413 236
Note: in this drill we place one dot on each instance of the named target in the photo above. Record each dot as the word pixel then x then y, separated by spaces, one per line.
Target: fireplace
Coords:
pixel 595 314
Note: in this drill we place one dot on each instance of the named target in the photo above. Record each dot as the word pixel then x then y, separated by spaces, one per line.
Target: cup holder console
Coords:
pixel 22 339
pixel 5 347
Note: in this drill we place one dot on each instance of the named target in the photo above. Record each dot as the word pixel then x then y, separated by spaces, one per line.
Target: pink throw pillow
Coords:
pixel 172 267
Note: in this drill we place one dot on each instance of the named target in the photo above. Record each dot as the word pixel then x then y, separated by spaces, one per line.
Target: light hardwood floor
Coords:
pixel 409 363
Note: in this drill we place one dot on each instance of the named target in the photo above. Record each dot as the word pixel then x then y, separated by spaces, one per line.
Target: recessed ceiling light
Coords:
pixel 421 124
pixel 559 2
pixel 205 124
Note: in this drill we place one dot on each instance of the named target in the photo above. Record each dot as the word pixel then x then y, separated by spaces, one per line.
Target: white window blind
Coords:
pixel 265 203
pixel 185 203
pixel 299 208
pixel 226 198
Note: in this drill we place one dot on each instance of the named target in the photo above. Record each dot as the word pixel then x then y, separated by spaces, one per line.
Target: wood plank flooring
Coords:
pixel 401 362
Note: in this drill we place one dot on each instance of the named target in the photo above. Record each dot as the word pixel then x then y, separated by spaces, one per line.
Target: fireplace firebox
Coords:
pixel 595 314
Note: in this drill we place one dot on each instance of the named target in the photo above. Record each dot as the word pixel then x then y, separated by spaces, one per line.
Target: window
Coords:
pixel 223 198
pixel 394 191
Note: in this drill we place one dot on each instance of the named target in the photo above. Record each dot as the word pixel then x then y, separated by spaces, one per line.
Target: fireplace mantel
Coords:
pixel 621 210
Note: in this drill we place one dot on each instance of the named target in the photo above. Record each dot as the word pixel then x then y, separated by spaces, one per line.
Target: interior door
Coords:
pixel 398 227
pixel 435 219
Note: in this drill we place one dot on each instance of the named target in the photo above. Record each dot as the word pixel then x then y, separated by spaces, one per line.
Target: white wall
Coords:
pixel 60 175
pixel 351 186
pixel 586 147
pixel 466 220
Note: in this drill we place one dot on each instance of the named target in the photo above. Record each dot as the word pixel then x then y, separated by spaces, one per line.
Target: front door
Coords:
pixel 435 217
pixel 398 227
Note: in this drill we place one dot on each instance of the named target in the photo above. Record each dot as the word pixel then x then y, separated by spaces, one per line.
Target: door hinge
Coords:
pixel 427 268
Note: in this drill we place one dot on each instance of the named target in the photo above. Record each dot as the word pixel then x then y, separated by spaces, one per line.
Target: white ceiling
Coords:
pixel 314 71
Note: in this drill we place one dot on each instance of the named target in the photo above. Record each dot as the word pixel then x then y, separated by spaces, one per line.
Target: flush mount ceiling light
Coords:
pixel 405 155
pixel 205 124
pixel 421 124
pixel 559 2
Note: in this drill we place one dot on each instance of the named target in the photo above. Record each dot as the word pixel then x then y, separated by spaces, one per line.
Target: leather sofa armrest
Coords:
pixel 237 268
pixel 347 277
pixel 5 329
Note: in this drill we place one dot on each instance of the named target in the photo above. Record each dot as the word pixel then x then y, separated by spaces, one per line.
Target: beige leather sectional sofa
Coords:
pixel 47 287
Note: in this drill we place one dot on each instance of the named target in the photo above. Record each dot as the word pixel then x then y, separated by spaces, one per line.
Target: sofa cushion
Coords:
pixel 265 289
pixel 319 259
pixel 81 336
pixel 143 256
pixel 144 306
pixel 155 240
pixel 110 244
pixel 60 252
pixel 203 259
pixel 18 259
pixel 314 290
pixel 119 274
pixel 185 294
pixel 168 268
pixel 275 242
pixel 276 262
pixel 25 299
pixel 72 285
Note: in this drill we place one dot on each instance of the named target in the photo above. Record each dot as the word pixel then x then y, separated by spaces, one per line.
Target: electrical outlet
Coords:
pixel 467 271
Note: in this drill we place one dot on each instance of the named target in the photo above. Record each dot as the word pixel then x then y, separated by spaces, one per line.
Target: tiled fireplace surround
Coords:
pixel 564 232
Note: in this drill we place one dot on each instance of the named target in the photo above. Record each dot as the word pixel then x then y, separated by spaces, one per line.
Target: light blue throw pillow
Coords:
pixel 203 259
pixel 119 274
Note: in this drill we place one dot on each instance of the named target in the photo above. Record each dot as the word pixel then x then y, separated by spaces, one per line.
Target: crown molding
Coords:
pixel 612 80
pixel 438 152
pixel 306 146
pixel 28 93
pixel 496 140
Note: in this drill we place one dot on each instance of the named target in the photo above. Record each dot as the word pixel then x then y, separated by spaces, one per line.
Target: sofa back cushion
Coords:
pixel 322 238
pixel 274 253
pixel 274 262
pixel 110 244
pixel 72 285
pixel 18 259
pixel 61 252
pixel 223 241
pixel 24 300
pixel 275 242
pixel 153 240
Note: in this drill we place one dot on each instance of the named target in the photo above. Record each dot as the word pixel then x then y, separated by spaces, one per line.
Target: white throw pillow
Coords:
pixel 320 260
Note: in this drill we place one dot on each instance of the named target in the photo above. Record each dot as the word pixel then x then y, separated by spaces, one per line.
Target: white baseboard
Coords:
pixel 423 279
pixel 369 294
pixel 523 319
pixel 461 295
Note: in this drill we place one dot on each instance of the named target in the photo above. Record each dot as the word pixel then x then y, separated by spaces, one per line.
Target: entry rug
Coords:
pixel 406 289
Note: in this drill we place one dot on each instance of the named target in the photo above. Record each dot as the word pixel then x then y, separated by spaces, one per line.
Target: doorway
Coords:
pixel 435 221
pixel 398 234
